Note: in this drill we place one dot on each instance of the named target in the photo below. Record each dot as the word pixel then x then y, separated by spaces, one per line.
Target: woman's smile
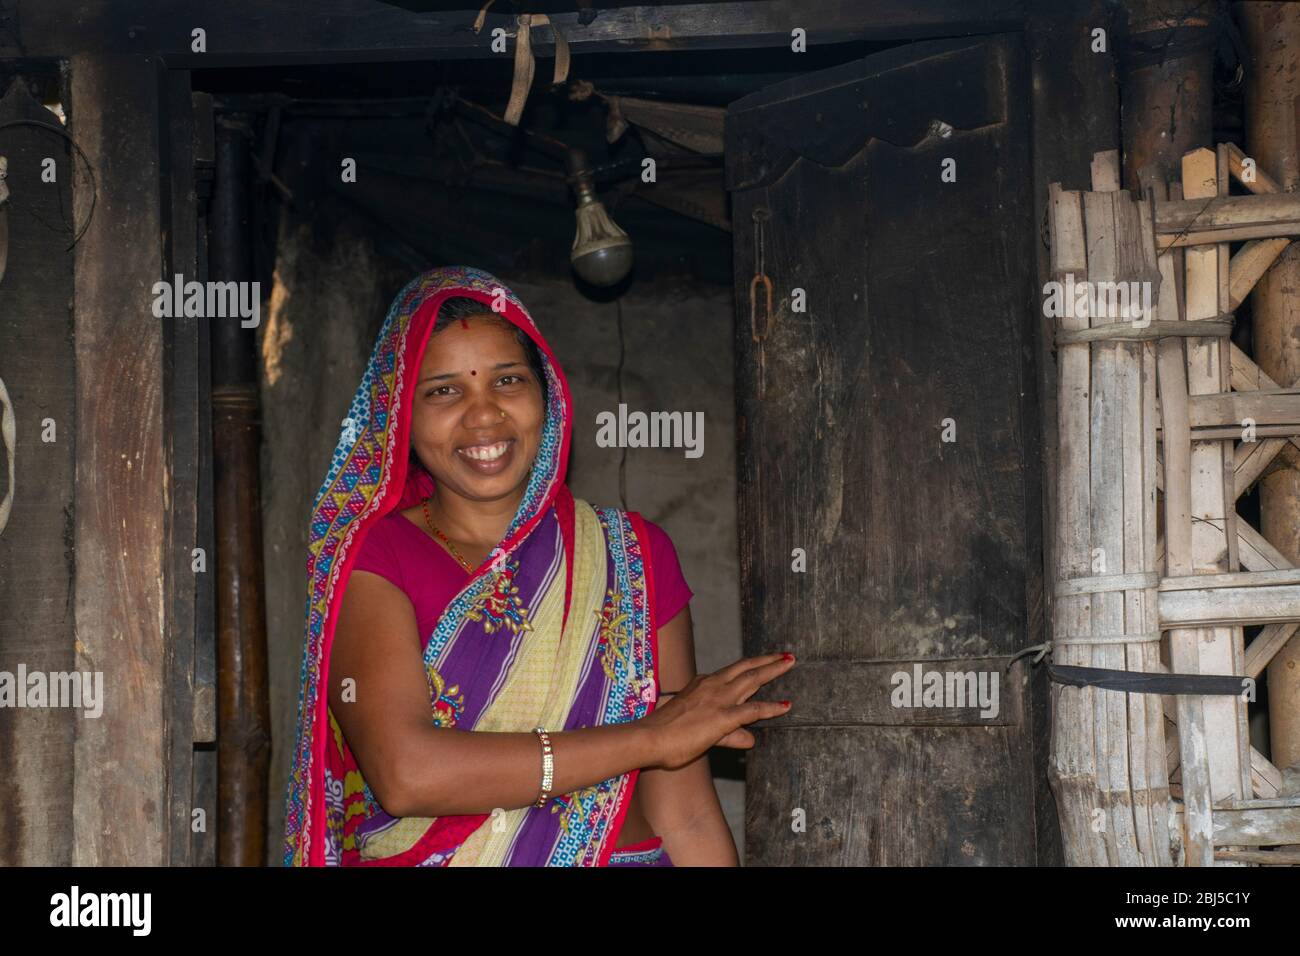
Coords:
pixel 488 459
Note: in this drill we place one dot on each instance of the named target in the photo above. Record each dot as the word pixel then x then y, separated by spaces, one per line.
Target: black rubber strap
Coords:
pixel 1147 682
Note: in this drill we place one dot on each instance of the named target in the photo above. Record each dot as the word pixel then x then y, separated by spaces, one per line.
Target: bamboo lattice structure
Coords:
pixel 1164 423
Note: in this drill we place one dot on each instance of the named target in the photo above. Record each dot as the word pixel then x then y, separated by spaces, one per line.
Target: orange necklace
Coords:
pixel 444 539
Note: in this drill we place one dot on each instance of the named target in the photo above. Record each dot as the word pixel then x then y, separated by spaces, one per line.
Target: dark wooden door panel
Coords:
pixel 918 300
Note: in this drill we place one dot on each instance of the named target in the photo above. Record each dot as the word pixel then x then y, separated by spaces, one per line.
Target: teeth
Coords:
pixel 486 452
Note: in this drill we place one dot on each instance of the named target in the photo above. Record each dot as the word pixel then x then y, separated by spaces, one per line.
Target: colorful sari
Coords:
pixel 557 629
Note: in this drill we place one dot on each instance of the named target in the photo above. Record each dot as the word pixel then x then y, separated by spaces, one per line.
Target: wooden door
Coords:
pixel 888 434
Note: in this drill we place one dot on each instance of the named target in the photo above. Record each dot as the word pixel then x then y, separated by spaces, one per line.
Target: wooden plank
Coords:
pixel 1266 645
pixel 1249 265
pixel 120 809
pixel 1246 375
pixel 1228 410
pixel 1198 846
pixel 890 693
pixel 1265 778
pixel 1238 579
pixel 1143 721
pixel 1273 637
pixel 1200 219
pixel 37 365
pixel 1104 170
pixel 1257 553
pixel 181 470
pixel 1227 608
pixel 1110 730
pixel 1254 259
pixel 1233 432
pixel 1073 770
pixel 1261 183
pixel 1221 650
pixel 1265 826
pixel 1259 857
pixel 1251 458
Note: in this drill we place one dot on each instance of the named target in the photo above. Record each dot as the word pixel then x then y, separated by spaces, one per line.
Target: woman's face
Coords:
pixel 471 373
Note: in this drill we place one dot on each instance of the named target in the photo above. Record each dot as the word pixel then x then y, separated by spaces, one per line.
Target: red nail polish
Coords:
pixel 788 656
pixel 785 703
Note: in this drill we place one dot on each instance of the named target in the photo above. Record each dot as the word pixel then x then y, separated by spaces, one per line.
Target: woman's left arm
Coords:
pixel 682 805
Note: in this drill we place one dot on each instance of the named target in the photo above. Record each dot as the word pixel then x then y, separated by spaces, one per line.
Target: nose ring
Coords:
pixel 503 413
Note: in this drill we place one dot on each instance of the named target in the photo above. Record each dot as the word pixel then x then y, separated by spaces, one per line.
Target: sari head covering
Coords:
pixel 555 629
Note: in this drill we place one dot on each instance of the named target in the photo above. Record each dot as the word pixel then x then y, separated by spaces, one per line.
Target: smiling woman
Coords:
pixel 485 653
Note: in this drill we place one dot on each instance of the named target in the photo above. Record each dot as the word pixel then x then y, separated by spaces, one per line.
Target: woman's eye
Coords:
pixel 510 379
pixel 438 390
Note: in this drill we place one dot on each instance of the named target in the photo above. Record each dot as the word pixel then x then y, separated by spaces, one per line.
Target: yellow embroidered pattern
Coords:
pixel 613 640
pixel 500 605
pixel 448 702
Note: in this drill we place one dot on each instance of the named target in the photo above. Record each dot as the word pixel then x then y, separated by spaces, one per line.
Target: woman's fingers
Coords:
pixel 739 739
pixel 731 671
pixel 749 713
pixel 748 682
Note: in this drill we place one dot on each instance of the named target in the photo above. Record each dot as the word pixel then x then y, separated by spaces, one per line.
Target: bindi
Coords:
pixel 473 372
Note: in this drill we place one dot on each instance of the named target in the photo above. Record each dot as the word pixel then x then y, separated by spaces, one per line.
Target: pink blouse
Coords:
pixel 401 551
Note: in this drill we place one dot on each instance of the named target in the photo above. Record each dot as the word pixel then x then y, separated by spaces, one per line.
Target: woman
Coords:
pixel 517 609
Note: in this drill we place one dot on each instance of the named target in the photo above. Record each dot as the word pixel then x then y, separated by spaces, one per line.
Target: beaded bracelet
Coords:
pixel 548 766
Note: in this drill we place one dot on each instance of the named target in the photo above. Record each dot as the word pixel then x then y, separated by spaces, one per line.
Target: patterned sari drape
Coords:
pixel 556 629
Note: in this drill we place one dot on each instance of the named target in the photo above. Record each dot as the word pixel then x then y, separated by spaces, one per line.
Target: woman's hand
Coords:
pixel 712 710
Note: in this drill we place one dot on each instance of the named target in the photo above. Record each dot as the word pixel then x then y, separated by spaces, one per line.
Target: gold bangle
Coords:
pixel 548 766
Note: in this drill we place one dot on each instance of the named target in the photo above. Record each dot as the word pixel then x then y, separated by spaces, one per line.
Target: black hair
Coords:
pixel 463 307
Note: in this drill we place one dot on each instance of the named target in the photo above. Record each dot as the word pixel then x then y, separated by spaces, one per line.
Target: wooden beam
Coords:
pixel 1260 182
pixel 120 805
pixel 1249 265
pixel 182 441
pixel 1226 607
pixel 1228 410
pixel 1259 857
pixel 1272 822
pixel 248 32
pixel 1192 222
pixel 1237 579
pixel 1207 725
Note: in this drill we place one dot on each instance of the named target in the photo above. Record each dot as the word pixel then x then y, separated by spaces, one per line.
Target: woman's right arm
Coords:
pixel 416 769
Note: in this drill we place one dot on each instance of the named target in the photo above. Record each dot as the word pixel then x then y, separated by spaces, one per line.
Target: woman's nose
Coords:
pixel 484 412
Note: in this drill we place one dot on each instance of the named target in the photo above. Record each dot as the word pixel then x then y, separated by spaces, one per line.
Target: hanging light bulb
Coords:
pixel 602 252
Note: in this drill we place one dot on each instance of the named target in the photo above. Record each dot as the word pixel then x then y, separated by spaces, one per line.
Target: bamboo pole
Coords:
pixel 1272 33
pixel 1198 833
pixel 1218 650
pixel 1072 769
pixel 1109 767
